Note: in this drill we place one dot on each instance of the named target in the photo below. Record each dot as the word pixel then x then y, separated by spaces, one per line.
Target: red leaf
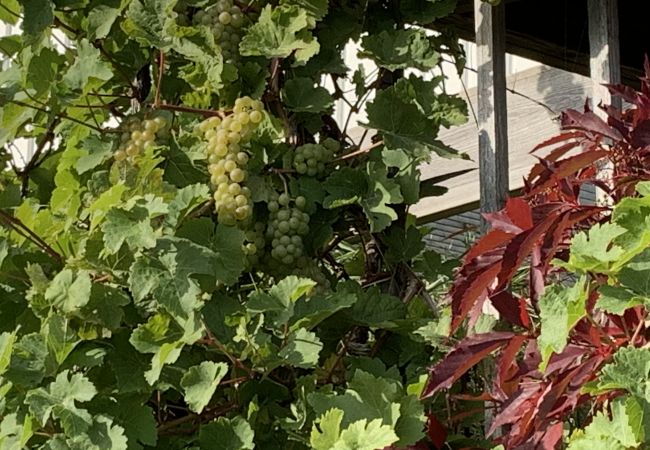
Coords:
pixel 507 366
pixel 467 353
pixel 551 436
pixel 640 136
pixel 562 137
pixel 556 154
pixel 436 431
pixel 521 246
pixel 588 121
pixel 568 167
pixel 513 219
pixel 492 240
pixel 465 297
pixel 511 308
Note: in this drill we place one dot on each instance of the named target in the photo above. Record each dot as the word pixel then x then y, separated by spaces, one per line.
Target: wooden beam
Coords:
pixel 490 29
pixel 604 47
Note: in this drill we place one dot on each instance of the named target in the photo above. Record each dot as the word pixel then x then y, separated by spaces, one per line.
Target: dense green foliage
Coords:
pixel 172 276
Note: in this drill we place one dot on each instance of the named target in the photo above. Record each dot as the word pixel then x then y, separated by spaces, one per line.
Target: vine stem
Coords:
pixel 212 340
pixel 22 229
pixel 161 69
pixel 187 109
pixel 361 151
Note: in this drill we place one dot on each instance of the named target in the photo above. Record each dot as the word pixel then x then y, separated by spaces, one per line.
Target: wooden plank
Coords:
pixel 529 123
pixel 492 114
pixel 604 46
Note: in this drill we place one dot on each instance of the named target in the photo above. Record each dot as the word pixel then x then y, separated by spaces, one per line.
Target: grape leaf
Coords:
pixel 10 13
pixel 278 33
pixel 59 401
pixel 302 349
pixel 200 382
pixel 132 227
pixel 593 251
pixel 426 11
pixel 326 430
pixel 364 435
pixel 630 370
pixel 100 21
pixel 88 71
pixel 149 21
pixel 619 432
pixel 302 95
pixel 400 49
pixel 561 308
pixel 226 434
pixel 38 15
pixel 27 366
pixel 69 291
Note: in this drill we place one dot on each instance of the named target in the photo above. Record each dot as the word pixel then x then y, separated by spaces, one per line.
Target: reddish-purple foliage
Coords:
pixel 534 229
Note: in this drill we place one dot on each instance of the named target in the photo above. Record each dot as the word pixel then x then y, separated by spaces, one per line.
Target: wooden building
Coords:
pixel 581 45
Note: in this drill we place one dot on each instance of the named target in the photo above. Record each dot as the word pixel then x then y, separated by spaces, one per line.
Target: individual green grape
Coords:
pixel 310 159
pixel 227 160
pixel 254 243
pixel 140 135
pixel 287 224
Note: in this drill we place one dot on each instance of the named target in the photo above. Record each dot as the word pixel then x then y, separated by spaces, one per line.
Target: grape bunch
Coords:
pixel 226 20
pixel 227 159
pixel 310 159
pixel 254 243
pixel 140 135
pixel 287 225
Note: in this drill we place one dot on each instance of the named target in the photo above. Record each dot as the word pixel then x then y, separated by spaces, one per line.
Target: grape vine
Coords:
pixel 217 262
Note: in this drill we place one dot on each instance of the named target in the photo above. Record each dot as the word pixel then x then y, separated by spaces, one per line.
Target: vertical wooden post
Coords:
pixel 604 48
pixel 492 115
pixel 604 66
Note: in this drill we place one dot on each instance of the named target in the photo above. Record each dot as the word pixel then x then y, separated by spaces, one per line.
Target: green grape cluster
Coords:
pixel 141 134
pixel 310 159
pixel 226 20
pixel 287 225
pixel 254 243
pixel 227 159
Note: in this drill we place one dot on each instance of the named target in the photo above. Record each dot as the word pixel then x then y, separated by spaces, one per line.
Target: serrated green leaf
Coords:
pixel 69 291
pixel 131 227
pixel 426 11
pixel 278 304
pixel 59 402
pixel 619 432
pixel 312 310
pixel 200 382
pixel 137 419
pixel 97 150
pixel 27 366
pixel 344 187
pixel 302 349
pixel 616 300
pixel 7 341
pixel 149 22
pixel 278 33
pixel 326 430
pixel 89 71
pixel 630 370
pixel 561 308
pixel 400 49
pixel 100 20
pixel 38 15
pixel 364 435
pixel 10 14
pixel 403 245
pixel 382 192
pixel 185 200
pixel 227 434
pixel 60 337
pixel 303 95
pixel 593 251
